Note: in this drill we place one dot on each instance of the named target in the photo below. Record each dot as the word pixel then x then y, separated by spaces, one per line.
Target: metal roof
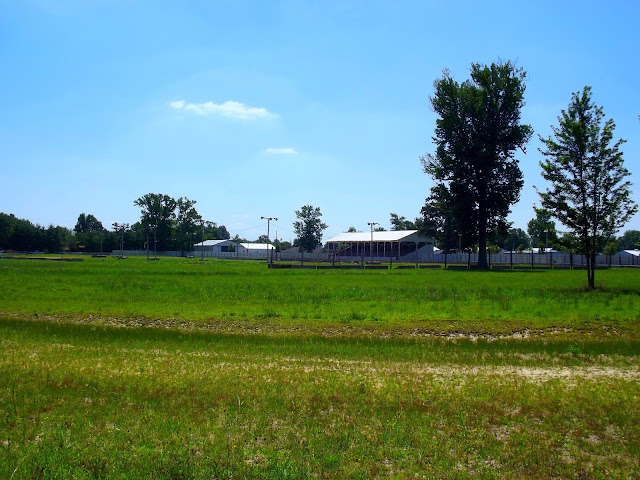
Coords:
pixel 210 243
pixel 257 246
pixel 390 236
pixel 635 253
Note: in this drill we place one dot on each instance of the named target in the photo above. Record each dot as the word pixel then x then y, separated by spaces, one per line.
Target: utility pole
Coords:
pixel 268 219
pixel 202 244
pixel 371 224
pixel 546 241
pixel 122 227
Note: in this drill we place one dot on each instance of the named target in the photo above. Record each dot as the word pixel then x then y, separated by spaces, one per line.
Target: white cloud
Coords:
pixel 282 151
pixel 228 109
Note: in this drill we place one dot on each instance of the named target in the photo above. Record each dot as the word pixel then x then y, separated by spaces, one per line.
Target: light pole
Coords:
pixel 122 227
pixel 202 244
pixel 268 219
pixel 546 241
pixel 371 224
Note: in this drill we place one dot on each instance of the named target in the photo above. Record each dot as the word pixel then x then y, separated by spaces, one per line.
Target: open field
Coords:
pixel 241 295
pixel 327 374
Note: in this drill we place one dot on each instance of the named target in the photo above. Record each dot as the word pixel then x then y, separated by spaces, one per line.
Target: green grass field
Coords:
pixel 184 369
pixel 239 294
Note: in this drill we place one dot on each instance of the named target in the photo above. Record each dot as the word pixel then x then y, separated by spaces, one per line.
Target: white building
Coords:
pixel 627 253
pixel 229 248
pixel 394 243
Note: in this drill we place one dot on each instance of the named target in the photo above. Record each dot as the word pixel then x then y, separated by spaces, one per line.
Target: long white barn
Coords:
pixel 395 243
pixel 216 247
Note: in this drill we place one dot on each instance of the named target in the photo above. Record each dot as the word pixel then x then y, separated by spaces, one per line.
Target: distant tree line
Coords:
pixel 22 235
pixel 165 224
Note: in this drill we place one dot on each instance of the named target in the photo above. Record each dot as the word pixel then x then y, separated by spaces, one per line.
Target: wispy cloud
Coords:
pixel 228 109
pixel 281 151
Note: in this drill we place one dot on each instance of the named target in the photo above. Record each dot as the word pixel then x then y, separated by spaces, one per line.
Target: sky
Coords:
pixel 256 108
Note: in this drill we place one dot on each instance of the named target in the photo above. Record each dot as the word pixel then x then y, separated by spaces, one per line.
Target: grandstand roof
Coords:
pixel 390 236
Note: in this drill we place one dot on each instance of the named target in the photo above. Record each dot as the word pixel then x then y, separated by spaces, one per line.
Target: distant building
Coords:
pixel 229 248
pixel 626 253
pixel 394 243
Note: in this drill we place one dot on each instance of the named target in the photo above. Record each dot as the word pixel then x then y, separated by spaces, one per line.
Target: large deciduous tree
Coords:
pixel 87 223
pixel 89 233
pixel 309 227
pixel 588 192
pixel 188 219
pixel 476 173
pixel 157 216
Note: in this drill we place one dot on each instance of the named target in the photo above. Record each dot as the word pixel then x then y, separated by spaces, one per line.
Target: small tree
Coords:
pixel 588 192
pixel 542 229
pixel 309 227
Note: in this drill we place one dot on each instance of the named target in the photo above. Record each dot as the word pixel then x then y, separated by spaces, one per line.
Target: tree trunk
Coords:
pixel 482 237
pixel 590 256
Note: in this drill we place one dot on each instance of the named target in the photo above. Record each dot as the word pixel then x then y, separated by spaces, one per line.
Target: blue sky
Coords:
pixel 256 108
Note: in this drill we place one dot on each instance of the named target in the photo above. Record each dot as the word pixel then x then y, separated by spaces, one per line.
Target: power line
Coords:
pixel 250 228
pixel 286 230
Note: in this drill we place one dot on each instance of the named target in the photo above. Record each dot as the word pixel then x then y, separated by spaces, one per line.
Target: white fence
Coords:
pixel 556 259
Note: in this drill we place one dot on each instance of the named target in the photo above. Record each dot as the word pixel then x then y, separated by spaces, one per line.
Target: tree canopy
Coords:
pixel 401 223
pixel 87 223
pixel 309 227
pixel 542 229
pixel 588 191
pixel 476 173
pixel 175 224
pixel 187 221
pixel 629 240
pixel 516 239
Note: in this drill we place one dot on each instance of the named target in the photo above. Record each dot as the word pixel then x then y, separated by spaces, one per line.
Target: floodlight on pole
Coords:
pixel 202 243
pixel 546 240
pixel 268 219
pixel 371 224
pixel 122 227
